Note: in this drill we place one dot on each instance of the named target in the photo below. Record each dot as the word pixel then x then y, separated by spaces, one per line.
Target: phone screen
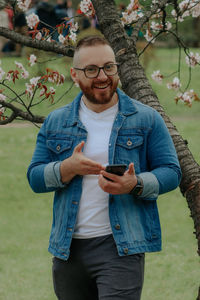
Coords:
pixel 116 169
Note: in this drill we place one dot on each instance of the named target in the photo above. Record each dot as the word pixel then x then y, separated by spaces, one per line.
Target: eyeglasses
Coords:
pixel 93 71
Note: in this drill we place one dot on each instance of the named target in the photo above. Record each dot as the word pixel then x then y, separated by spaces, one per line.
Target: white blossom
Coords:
pixel 157 76
pixel 34 80
pixel 192 59
pixel 73 36
pixel 149 37
pixel 2 73
pixel 32 59
pixel 52 90
pixel 61 38
pixel 2 97
pixel 23 4
pixel 29 89
pixel 32 20
pixel 42 92
pixel 38 36
pixel 196 11
pixel 25 74
pixel 86 7
pixel 187 97
pixel 175 84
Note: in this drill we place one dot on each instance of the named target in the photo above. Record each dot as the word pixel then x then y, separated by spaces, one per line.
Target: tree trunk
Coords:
pixel 135 84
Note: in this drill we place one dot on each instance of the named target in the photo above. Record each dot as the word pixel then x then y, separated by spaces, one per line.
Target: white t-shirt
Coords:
pixel 93 215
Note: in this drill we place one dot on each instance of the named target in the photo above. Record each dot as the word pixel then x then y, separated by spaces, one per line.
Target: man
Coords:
pixel 102 228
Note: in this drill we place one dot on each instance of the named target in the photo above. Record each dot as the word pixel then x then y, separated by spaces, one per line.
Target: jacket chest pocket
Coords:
pixel 128 149
pixel 60 149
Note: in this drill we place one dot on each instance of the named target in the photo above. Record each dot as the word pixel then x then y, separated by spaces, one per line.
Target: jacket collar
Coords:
pixel 126 107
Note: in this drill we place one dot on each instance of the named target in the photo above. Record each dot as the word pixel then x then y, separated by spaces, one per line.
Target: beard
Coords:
pixel 97 95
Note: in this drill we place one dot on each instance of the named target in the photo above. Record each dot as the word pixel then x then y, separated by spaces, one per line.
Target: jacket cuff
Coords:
pixel 151 186
pixel 52 176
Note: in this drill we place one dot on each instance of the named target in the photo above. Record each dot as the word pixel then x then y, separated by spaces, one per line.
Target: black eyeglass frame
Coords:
pixel 100 68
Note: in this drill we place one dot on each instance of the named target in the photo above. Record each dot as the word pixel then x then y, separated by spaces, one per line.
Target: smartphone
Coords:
pixel 116 169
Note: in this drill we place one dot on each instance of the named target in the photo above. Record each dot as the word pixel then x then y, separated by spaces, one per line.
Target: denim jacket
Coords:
pixel 138 135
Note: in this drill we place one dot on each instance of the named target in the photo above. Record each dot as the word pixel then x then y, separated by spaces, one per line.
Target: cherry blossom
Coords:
pixel 187 98
pixel 175 84
pixel 23 4
pixel 149 37
pixel 61 38
pixel 32 20
pixel 2 73
pixel 86 7
pixel 132 13
pixel 32 60
pixel 2 97
pixel 25 73
pixel 159 26
pixel 157 76
pixel 73 30
pixel 38 36
pixel 34 80
pixel 52 90
pixel 192 59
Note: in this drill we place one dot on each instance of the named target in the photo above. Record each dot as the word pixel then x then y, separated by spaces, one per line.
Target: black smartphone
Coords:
pixel 116 169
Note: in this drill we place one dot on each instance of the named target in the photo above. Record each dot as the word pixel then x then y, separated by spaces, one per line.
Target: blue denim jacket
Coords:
pixel 139 135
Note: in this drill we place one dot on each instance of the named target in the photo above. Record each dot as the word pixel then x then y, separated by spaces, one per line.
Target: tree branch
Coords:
pixel 38 44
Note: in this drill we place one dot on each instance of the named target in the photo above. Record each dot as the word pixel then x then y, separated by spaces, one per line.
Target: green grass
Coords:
pixel 25 217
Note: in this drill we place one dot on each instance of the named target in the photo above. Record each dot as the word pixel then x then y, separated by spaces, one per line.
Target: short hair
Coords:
pixel 91 40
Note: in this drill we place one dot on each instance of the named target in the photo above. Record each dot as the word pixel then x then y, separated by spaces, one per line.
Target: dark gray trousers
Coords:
pixel 95 271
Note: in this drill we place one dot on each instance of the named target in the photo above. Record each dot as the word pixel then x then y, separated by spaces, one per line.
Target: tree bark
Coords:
pixel 136 85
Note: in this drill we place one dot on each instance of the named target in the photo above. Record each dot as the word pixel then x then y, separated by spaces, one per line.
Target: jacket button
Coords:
pixel 117 226
pixel 125 250
pixel 58 148
pixel 129 143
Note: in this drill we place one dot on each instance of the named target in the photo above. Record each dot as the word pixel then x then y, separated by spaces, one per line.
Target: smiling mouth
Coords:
pixel 101 86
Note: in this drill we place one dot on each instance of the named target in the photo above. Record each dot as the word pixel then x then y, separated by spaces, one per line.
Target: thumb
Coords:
pixel 131 169
pixel 79 147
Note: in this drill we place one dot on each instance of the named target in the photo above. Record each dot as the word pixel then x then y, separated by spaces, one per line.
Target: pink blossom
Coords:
pixel 32 20
pixel 175 84
pixel 38 36
pixel 61 39
pixel 29 89
pixel 52 90
pixel 149 37
pixel 2 97
pixel 23 4
pixel 2 73
pixel 86 7
pixel 25 74
pixel 34 80
pixel 187 97
pixel 192 59
pixel 32 59
pixel 157 76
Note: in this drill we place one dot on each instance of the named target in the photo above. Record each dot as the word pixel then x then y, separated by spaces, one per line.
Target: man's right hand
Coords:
pixel 78 164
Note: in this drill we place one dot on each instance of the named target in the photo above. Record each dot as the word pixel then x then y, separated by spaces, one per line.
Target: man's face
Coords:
pixel 99 90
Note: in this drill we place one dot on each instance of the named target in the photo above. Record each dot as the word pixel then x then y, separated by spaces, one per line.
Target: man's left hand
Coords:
pixel 119 184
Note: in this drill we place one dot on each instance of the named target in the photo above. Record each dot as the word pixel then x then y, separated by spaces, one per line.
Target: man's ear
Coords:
pixel 74 75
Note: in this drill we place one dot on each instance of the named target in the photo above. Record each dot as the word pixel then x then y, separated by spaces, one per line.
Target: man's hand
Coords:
pixel 119 184
pixel 78 164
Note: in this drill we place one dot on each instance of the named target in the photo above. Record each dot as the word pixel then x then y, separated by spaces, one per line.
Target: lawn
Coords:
pixel 25 217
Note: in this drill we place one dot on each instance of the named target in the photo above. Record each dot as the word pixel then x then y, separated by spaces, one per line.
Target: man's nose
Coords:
pixel 102 75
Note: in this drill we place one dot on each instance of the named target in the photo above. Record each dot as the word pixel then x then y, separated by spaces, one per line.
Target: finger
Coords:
pixel 131 169
pixel 111 176
pixel 79 147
